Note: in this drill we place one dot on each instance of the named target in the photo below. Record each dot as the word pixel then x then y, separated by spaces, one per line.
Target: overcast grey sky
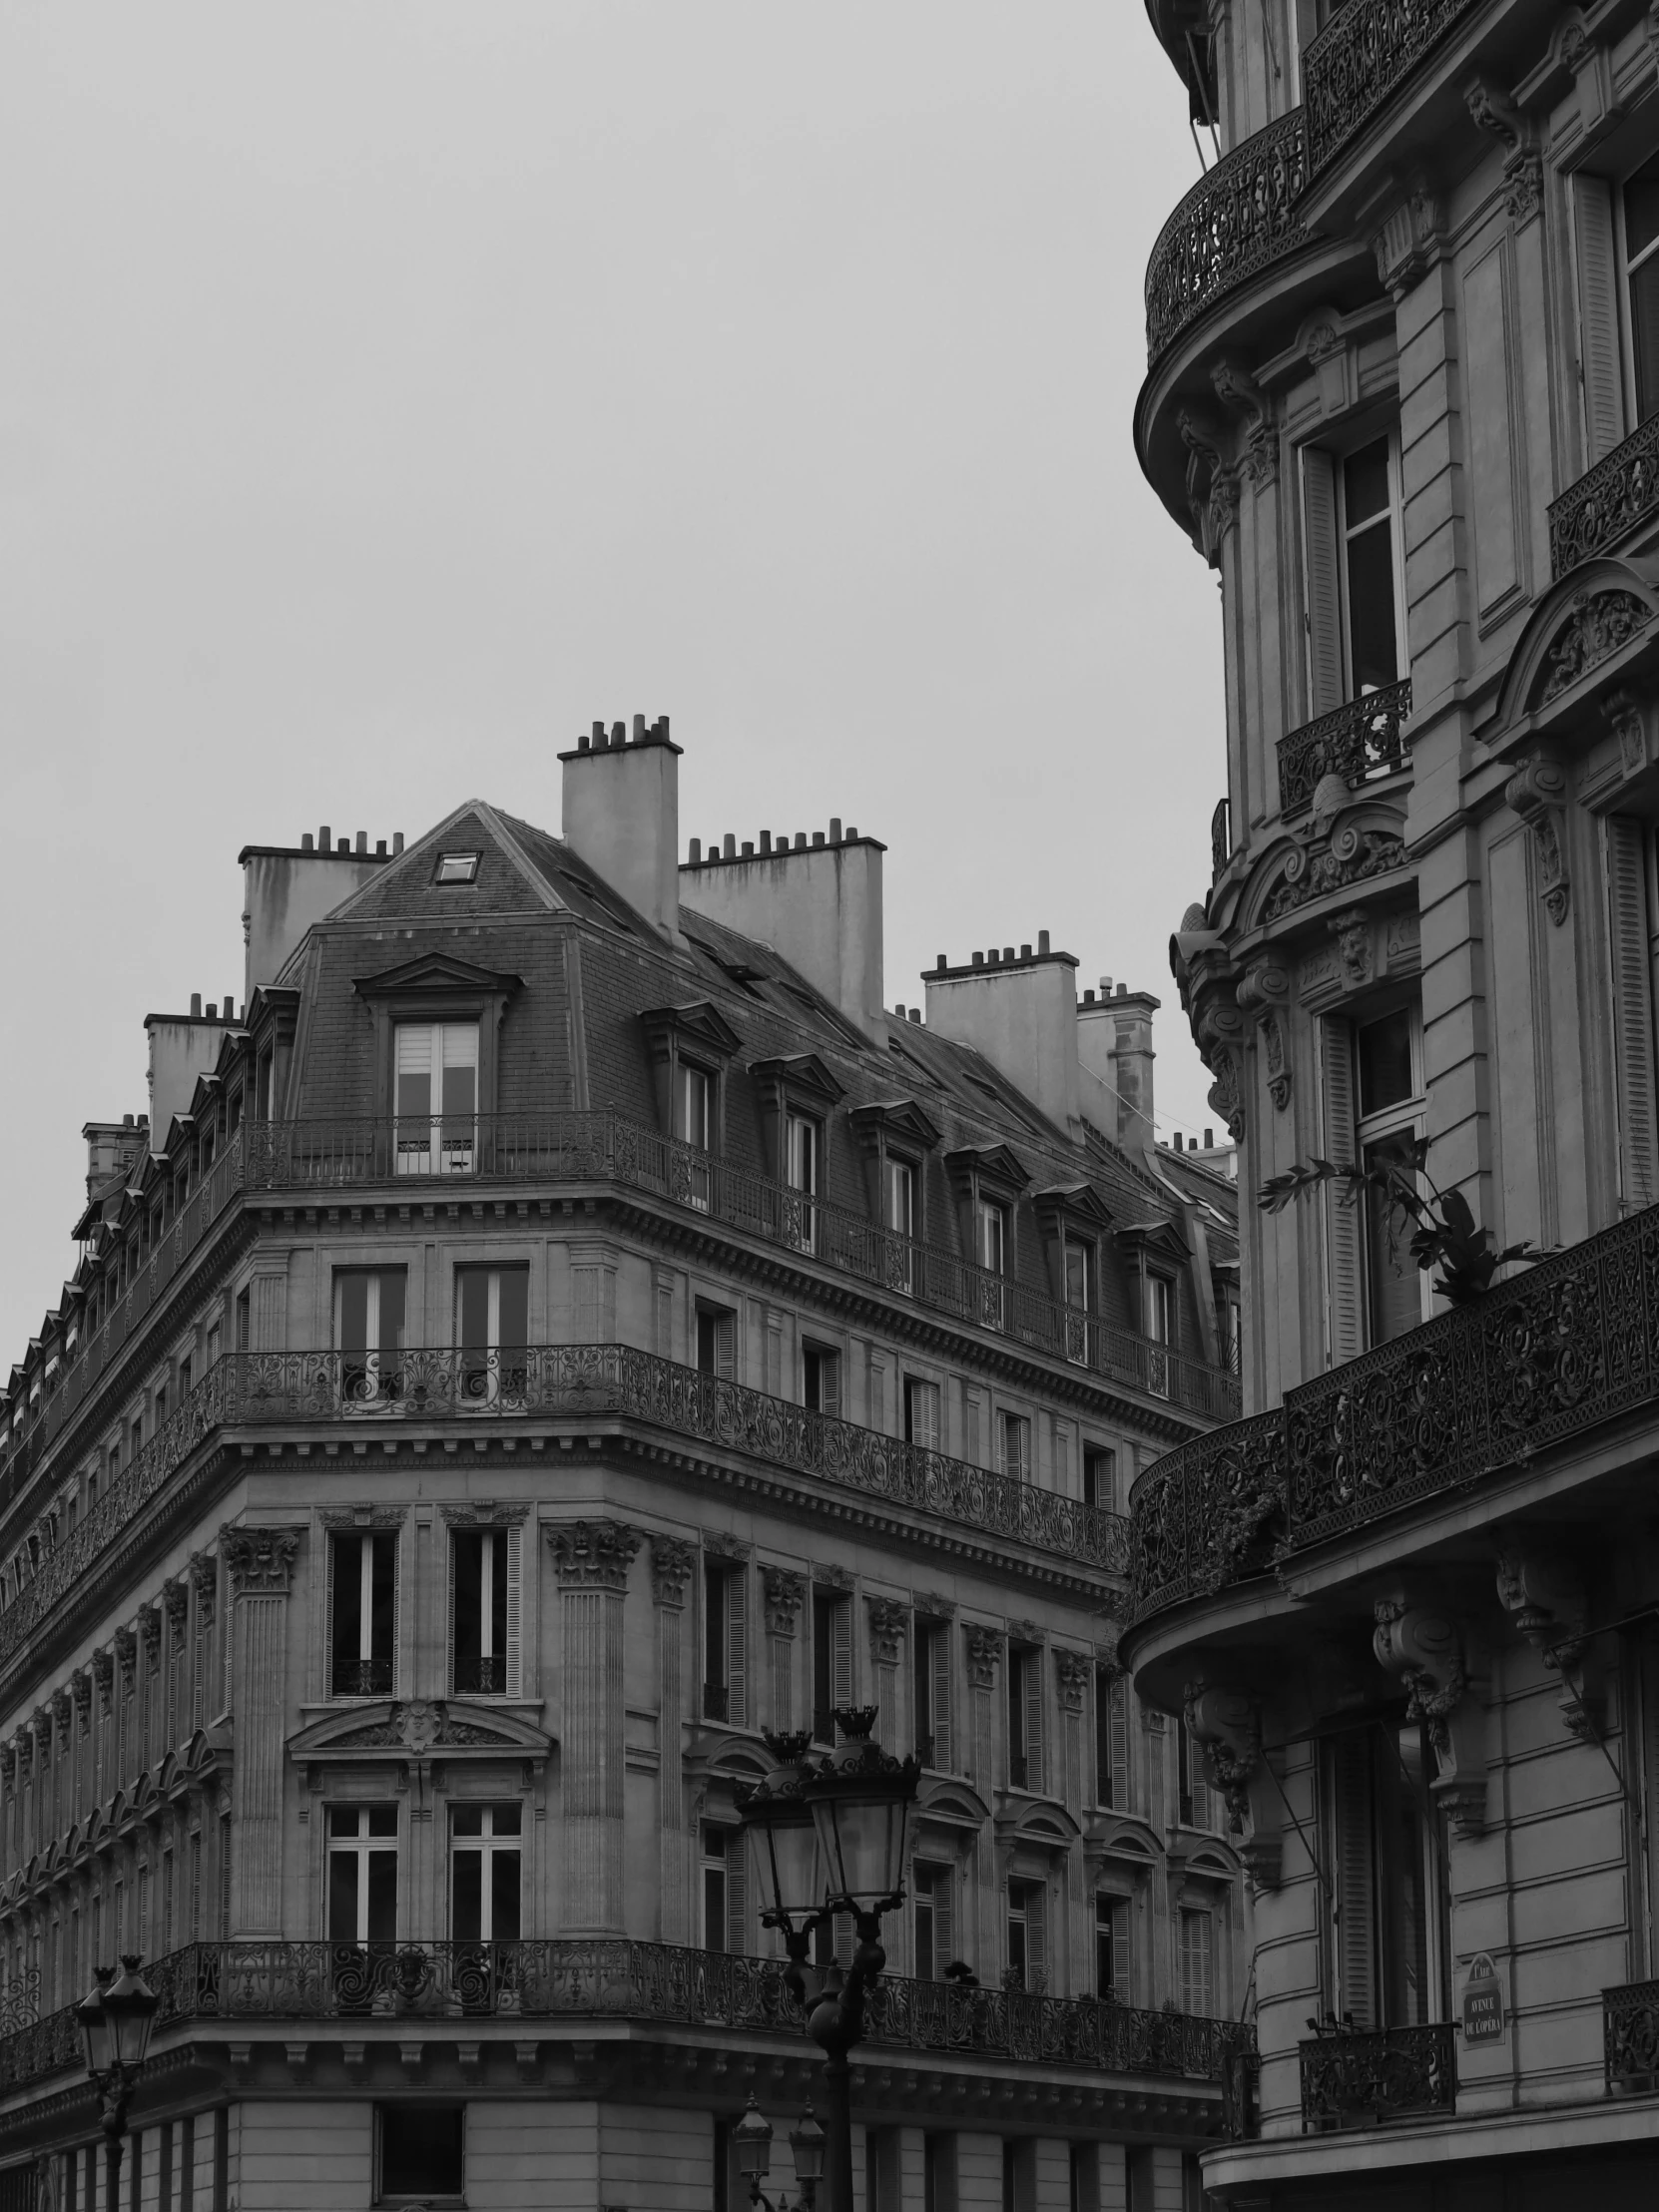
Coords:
pixel 387 390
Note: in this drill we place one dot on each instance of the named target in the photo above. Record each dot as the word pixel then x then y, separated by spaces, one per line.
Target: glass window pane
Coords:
pixel 1393 1278
pixel 1644 336
pixel 348 1639
pixel 414 1070
pixel 515 1307
pixel 1385 1062
pixel 1641 209
pixel 469 1619
pixel 466 1917
pixel 504 1897
pixel 473 1285
pixel 383 1896
pixel 342 1820
pixel 1370 609
pixel 509 1819
pixel 343 1897
pixel 390 1332
pixel 467 1820
pixel 353 1312
pixel 1366 483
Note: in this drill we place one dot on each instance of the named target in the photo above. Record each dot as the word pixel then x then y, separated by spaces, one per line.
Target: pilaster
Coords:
pixel 672 1564
pixel 593 1559
pixel 261 1566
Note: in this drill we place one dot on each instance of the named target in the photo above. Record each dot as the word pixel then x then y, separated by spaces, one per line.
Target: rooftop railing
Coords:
pixel 1237 221
pixel 1358 742
pixel 1607 502
pixel 246 1390
pixel 1542 1359
pixel 1362 57
pixel 402 1985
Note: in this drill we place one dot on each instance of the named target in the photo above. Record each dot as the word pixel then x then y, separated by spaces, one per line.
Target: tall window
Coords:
pixel 1390 1934
pixel 1100 1476
pixel 1387 1055
pixel 1159 1309
pixel 899 1208
pixel 717 1341
pixel 1197 1961
pixel 1014 1446
pixel 933 1694
pixel 991 1236
pixel 694 1123
pixel 492 1311
pixel 362 1594
pixel 1641 249
pixel 479 1560
pixel 821 1378
pixel 832 1660
pixel 484 1873
pixel 1368 524
pixel 368 1330
pixel 804 1166
pixel 725 1636
pixel 1111 1947
pixel 724 1926
pixel 921 1413
pixel 437 1102
pixel 363 1874
pixel 932 1918
pixel 1027 1950
pixel 1111 1739
pixel 1025 1717
pixel 1197 1803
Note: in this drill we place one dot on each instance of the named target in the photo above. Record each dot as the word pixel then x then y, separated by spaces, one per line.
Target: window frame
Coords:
pixel 1405 1117
pixel 366 1539
pixel 486 1846
pixel 365 1845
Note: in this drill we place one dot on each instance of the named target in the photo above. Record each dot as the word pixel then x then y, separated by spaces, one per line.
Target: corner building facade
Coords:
pixel 1402 393
pixel 557 1326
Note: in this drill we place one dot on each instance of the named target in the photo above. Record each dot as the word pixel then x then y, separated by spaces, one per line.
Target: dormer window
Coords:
pixel 437 1102
pixel 458 867
pixel 991 1235
pixel 804 1174
pixel 694 1126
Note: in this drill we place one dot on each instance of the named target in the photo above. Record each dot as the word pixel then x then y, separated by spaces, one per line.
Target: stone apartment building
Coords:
pixel 552 1326
pixel 1402 393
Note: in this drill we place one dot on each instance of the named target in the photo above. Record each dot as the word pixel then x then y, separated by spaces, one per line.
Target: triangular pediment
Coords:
pixel 994 1163
pixel 698 1023
pixel 1076 1202
pixel 409 886
pixel 896 1117
pixel 1157 1239
pixel 802 1071
pixel 437 973
pixel 415 1728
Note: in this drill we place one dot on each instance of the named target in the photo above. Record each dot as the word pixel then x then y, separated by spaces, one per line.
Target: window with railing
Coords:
pixel 483 1608
pixel 831 1659
pixel 694 1125
pixel 1112 1976
pixel 805 1174
pixel 1027 1946
pixel 436 1097
pixel 1111 1739
pixel 821 1378
pixel 492 1311
pixel 932 1918
pixel 369 1310
pixel 924 1416
pixel 1387 1965
pixel 363 1874
pixel 362 1602
pixel 932 1699
pixel 485 1881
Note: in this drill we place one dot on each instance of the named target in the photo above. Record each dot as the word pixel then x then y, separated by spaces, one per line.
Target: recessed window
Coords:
pixel 479 1565
pixel 421 2152
pixel 458 867
pixel 1369 567
pixel 1641 245
pixel 484 1873
pixel 363 1874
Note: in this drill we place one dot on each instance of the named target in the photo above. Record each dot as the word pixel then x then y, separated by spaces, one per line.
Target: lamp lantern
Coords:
pixel 752 2138
pixel 780 1820
pixel 94 2022
pixel 806 2146
pixel 861 1800
pixel 129 2007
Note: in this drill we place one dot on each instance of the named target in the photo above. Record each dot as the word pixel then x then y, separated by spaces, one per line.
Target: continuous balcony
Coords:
pixel 1543 1359
pixel 1608 503
pixel 1238 221
pixel 403 1989
pixel 1360 742
pixel 454 1392
pixel 1366 53
pixel 1630 2037
pixel 1354 2078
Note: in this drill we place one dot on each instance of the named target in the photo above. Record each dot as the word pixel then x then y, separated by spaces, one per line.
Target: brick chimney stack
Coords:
pixel 621 815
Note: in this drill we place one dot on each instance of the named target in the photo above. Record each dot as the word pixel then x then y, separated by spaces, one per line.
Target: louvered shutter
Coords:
pixel 829 1382
pixel 726 1347
pixel 1322 565
pixel 775 1356
pixel 328 1619
pixel 840 1651
pixel 1599 364
pixel 844 1932
pixel 1031 1685
pixel 665 1320
pixel 1119 1724
pixel 944 1918
pixel 1122 1979
pixel 1356 1854
pixel 1344 1280
pixel 1036 1935
pixel 515 1607
pixel 397 1614
pixel 736 1647
pixel 1627 941
pixel 938 1660
pixel 452 1549
pixel 737 1892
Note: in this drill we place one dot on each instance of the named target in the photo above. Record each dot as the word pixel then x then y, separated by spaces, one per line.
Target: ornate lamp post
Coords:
pixel 829 1838
pixel 753 2137
pixel 115 2017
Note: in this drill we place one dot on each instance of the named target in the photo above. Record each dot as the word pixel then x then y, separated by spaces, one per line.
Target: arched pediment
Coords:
pixel 1365 843
pixel 1036 1824
pixel 419 1728
pixel 1121 1838
pixel 951 1802
pixel 1597 613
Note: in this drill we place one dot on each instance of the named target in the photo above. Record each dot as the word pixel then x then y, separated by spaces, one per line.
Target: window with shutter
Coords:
pixel 362 1578
pixel 480 1587
pixel 716 1924
pixel 821 1378
pixel 1345 1329
pixel 1031 1674
pixel 938 1662
pixel 717 1341
pixel 921 1413
pixel 492 1315
pixel 1122 1786
pixel 1353 1858
pixel 1598 316
pixel 736 1647
pixel 1198 1963
pixel 1628 942
pixel 1322 581
pixel 737 1893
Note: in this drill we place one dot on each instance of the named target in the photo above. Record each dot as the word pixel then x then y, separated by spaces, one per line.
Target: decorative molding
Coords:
pixel 984 1653
pixel 259 1561
pixel 1074 1671
pixel 488 1513
pixel 1538 793
pixel 833 1578
pixel 1422 1646
pixel 1236 389
pixel 1226 1726
pixel 203 1580
pixel 1355 956
pixel 422 1725
pixel 176 1605
pixel 80 1683
pixel 348 1519
pixel 126 1658
pixel 1352 856
pixel 889 1620
pixel 673 1562
pixel 718 1545
pixel 1410 241
pixel 1223 1098
pixel 1546 1599
pixel 928 1605
pixel 1495 113
pixel 1600 624
pixel 594 1555
pixel 103 1675
pixel 149 1634
pixel 783 1593
pixel 1279 1073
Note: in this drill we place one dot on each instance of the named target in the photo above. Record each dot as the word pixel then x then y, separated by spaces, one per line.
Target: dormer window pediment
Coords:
pixel 804 1074
pixel 439 972
pixel 993 1165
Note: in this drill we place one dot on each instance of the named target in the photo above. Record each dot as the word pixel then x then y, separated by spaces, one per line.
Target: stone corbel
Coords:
pixel 1410 241
pixel 1545 1601
pixel 1424 1648
pixel 1538 793
pixel 1628 718
pixel 1227 1724
pixel 1590 61
pixel 1212 486
pixel 1238 391
pixel 1495 113
pixel 1264 991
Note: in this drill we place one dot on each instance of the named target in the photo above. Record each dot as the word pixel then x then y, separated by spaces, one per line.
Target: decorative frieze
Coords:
pixel 1072 1670
pixel 594 1555
pixel 716 1545
pixel 484 1513
pixel 126 1658
pixel 1600 624
pixel 1352 856
pixel 204 1581
pixel 176 1605
pixel 103 1675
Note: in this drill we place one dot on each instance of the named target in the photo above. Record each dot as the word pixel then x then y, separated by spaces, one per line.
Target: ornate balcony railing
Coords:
pixel 1541 1359
pixel 246 1389
pixel 1630 2035
pixel 402 1985
pixel 1368 50
pixel 1237 221
pixel 1221 839
pixel 1390 2074
pixel 1607 501
pixel 1358 742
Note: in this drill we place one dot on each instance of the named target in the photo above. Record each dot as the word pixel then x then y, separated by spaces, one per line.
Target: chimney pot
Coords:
pixel 916 1014
pixel 749 848
pixel 196 1005
pixel 697 853
pixel 801 841
pixel 1008 952
pixel 1088 999
pixel 942 963
pixel 126 1121
pixel 1123 990
pixel 729 846
pixel 599 736
pixel 898 1010
pixel 619 736
pixel 766 841
pixel 1042 940
pixel 325 840
pixel 852 834
pixel 584 743
pixel 1025 953
pixel 398 841
pixel 362 841
pixel 343 844
pixel 639 729
pixel 379 848
pixel 818 836
pixel 306 843
pixel 978 959
pixel 834 829
pixel 1209 1139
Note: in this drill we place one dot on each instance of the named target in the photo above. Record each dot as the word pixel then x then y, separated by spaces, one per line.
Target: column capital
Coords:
pixel 673 1560
pixel 984 1650
pixel 783 1593
pixel 889 1620
pixel 1072 1670
pixel 594 1555
pixel 261 1561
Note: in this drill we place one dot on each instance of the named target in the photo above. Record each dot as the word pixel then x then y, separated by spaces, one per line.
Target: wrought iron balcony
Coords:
pixel 1541 1359
pixel 1358 742
pixel 1365 53
pixel 1630 2037
pixel 1235 221
pixel 1607 502
pixel 1359 2080
pixel 407 1984
pixel 246 1391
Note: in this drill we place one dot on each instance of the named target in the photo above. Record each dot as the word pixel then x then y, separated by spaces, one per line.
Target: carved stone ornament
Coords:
pixel 1264 986
pixel 1410 242
pixel 1422 1646
pixel 718 1545
pixel 1226 1726
pixel 1355 956
pixel 490 1514
pixel 422 1725
pixel 80 1683
pixel 40 1725
pixel 594 1555
pixel 1628 722
pixel 63 1712
pixel 783 1594
pixel 1494 112
pixel 149 1634
pixel 984 1652
pixel 887 1622
pixel 1279 1073
pixel 126 1658
pixel 203 1580
pixel 103 1673
pixel 1546 1599
pixel 1224 1092
pixel 1236 390
pixel 1072 1670
pixel 8 1765
pixel 1598 626
pixel 928 1605
pixel 260 1560
pixel 833 1578
pixel 1212 486
pixel 1538 793
pixel 1322 341
pixel 673 1561
pixel 1352 856
pixel 176 1605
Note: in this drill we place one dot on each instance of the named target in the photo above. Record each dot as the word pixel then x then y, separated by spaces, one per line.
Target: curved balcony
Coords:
pixel 1608 503
pixel 1541 1359
pixel 459 1389
pixel 1360 742
pixel 396 1989
pixel 1360 2078
pixel 1237 221
pixel 1362 57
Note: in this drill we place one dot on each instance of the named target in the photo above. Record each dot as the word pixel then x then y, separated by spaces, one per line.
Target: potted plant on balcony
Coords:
pixel 1445 1234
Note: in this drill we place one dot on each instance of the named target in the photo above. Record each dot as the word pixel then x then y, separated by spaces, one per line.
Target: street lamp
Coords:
pixel 115 2017
pixel 857 1803
pixel 752 2138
